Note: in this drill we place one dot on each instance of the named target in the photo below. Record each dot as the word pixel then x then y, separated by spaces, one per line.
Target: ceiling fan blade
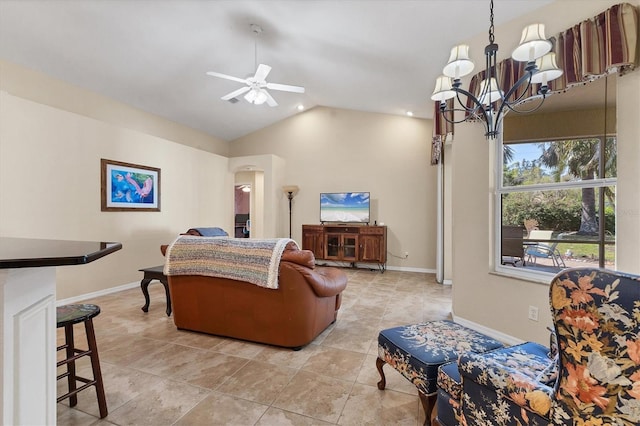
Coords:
pixel 285 87
pixel 262 72
pixel 270 101
pixel 228 77
pixel 235 93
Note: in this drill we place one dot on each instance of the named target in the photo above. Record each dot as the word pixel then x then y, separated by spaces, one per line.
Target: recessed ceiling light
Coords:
pixel 410 113
pixel 300 107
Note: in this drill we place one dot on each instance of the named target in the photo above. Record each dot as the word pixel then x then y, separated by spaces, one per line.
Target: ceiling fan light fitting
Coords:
pixel 256 85
pixel 251 96
pixel 261 97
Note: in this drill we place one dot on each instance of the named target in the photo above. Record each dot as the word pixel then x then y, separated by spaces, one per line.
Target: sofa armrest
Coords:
pixel 522 389
pixel 325 282
pixel 300 257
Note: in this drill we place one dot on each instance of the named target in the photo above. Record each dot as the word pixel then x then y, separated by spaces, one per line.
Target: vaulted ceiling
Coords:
pixel 369 55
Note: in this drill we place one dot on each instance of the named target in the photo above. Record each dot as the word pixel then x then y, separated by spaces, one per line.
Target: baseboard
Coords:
pixel 97 293
pixel 504 338
pixel 409 269
pixel 374 266
pixel 137 283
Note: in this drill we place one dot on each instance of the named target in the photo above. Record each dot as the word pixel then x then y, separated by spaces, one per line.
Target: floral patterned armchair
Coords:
pixel 595 379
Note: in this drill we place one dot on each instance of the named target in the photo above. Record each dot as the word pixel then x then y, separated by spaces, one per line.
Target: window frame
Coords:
pixel 500 189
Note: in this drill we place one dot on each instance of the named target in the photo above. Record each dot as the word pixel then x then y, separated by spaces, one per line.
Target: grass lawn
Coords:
pixel 588 251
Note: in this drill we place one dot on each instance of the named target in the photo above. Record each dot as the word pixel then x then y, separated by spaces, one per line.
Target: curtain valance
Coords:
pixel 604 44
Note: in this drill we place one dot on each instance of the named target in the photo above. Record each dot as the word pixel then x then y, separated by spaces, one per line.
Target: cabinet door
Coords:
pixel 371 248
pixel 313 240
pixel 350 247
pixel 333 247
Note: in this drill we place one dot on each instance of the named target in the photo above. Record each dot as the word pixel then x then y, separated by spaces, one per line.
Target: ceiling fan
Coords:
pixel 256 86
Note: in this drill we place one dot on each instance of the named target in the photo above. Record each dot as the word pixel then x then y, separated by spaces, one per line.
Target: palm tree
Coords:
pixel 580 158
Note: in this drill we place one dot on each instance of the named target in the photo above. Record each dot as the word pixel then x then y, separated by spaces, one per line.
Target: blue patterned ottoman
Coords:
pixel 417 351
pixel 528 357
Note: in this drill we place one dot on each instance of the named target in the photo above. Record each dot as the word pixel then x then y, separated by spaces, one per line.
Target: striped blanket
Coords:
pixel 251 260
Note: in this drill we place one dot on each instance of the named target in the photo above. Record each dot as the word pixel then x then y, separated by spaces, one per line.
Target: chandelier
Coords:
pixel 492 102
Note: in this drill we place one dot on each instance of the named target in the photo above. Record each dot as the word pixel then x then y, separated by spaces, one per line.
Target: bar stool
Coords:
pixel 67 316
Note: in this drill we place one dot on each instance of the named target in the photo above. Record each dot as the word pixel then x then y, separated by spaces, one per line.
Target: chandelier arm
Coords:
pixel 463 105
pixel 509 105
pixel 444 111
pixel 525 78
pixel 541 96
pixel 479 106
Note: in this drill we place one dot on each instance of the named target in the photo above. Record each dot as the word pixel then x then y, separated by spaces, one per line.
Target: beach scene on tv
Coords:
pixel 344 207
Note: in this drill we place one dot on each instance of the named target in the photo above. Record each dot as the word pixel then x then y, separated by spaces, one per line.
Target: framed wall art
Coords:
pixel 126 187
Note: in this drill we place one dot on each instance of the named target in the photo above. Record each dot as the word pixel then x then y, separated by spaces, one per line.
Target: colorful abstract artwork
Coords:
pixel 126 186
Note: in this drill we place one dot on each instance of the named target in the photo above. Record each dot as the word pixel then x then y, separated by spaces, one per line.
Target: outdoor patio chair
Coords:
pixel 543 250
pixel 530 225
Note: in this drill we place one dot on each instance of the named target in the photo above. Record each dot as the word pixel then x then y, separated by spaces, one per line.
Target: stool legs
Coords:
pixel 95 365
pixel 428 401
pixel 71 366
pixel 383 380
pixel 72 354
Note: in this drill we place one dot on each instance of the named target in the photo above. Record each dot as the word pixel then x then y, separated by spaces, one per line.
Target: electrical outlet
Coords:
pixel 533 313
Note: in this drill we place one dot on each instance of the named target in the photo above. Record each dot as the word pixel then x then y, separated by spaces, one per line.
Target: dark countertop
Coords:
pixel 30 253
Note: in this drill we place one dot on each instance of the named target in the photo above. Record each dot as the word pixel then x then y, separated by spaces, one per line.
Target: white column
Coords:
pixel 27 304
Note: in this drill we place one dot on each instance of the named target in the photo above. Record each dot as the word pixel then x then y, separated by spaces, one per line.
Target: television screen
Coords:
pixel 344 207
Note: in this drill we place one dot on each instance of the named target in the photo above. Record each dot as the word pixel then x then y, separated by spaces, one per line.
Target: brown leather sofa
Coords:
pixel 304 305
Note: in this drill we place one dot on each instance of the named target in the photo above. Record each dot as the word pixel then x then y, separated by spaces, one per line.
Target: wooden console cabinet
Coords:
pixel 347 243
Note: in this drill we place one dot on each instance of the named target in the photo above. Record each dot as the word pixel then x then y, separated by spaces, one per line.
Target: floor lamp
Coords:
pixel 291 191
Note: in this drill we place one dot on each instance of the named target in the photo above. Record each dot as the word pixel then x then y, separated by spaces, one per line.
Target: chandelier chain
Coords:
pixel 491 36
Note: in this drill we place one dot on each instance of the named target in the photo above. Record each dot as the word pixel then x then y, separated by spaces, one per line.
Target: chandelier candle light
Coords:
pixel 492 103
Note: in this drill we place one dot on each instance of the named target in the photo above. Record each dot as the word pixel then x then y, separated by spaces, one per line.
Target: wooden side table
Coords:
pixel 150 274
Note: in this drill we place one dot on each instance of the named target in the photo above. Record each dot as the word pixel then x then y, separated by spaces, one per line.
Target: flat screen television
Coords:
pixel 344 207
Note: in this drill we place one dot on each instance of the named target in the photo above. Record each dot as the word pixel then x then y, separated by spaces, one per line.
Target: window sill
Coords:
pixel 523 275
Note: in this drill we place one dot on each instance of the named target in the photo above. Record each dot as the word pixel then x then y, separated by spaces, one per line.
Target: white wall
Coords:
pixel 335 150
pixel 50 185
pixel 485 298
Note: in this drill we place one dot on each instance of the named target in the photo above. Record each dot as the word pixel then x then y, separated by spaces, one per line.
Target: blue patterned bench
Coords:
pixel 531 358
pixel 417 350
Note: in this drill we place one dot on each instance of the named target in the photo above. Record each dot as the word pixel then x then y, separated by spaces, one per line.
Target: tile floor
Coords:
pixel 157 375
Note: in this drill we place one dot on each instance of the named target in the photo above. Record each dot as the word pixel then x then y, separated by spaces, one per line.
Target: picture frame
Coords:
pixel 129 187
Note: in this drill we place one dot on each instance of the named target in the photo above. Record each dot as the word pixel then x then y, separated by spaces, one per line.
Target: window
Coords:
pixel 559 196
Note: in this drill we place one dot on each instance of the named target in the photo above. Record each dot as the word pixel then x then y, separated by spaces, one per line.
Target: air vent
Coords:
pixel 234 100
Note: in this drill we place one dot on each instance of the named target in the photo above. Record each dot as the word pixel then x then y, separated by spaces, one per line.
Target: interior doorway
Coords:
pixel 242 227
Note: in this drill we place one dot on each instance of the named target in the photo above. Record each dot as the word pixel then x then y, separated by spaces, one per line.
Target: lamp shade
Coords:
pixel 533 44
pixel 489 91
pixel 290 188
pixel 459 63
pixel 443 91
pixel 547 69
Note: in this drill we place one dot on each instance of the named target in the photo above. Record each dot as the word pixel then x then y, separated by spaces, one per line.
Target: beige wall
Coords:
pixel 50 181
pixel 335 150
pixel 40 88
pixel 487 299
